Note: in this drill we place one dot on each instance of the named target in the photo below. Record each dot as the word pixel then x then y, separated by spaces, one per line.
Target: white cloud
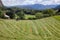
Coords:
pixel 12 2
pixel 27 2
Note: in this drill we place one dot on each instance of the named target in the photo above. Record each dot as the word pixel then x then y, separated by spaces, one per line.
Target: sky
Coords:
pixel 29 2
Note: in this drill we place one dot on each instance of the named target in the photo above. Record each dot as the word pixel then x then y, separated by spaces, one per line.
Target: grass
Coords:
pixel 41 29
pixel 29 16
pixel 57 17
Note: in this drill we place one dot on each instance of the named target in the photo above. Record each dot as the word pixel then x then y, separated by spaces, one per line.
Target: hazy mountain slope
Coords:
pixel 36 6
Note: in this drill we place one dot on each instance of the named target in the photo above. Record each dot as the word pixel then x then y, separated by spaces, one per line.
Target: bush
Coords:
pixel 39 15
pixel 46 15
pixel 58 13
pixel 31 18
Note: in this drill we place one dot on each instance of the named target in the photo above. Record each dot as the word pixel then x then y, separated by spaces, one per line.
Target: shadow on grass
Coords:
pixel 31 18
pixel 17 19
pixel 7 37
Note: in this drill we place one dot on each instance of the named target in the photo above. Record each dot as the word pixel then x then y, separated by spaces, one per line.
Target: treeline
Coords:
pixel 18 13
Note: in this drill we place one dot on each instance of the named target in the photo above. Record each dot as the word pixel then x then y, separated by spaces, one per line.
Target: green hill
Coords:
pixel 41 29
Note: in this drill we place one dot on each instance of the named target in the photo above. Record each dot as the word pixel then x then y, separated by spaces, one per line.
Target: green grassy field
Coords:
pixel 41 29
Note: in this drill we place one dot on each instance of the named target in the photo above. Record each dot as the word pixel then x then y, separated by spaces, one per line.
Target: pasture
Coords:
pixel 40 29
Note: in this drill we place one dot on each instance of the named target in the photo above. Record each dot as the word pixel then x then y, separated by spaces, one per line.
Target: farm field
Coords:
pixel 41 29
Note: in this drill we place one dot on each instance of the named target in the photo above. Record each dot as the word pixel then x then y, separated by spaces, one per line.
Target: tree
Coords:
pixel 21 15
pixel 11 14
pixel 51 12
pixel 39 15
pixel 1 14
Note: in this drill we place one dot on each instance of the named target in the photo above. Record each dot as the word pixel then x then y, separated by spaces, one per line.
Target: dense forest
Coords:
pixel 18 13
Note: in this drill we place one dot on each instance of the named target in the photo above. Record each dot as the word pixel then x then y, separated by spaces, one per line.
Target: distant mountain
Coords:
pixel 37 6
pixel 57 7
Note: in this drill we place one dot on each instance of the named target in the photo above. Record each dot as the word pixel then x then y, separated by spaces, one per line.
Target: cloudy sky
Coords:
pixel 29 2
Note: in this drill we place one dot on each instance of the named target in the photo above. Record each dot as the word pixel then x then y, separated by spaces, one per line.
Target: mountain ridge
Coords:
pixel 36 6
